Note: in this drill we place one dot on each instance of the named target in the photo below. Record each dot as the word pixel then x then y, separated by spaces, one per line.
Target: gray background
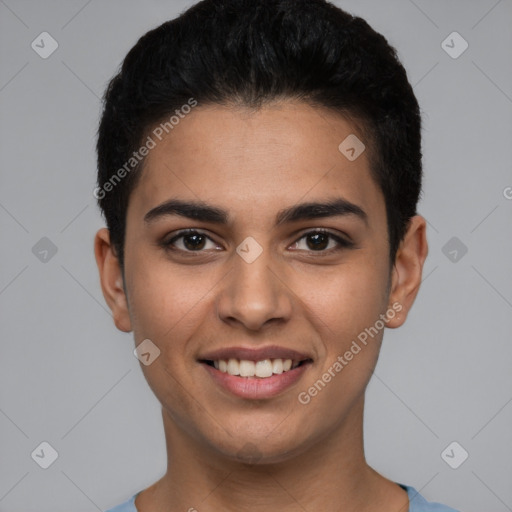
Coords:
pixel 69 378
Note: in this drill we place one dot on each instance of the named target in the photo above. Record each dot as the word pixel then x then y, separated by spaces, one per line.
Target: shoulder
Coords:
pixel 127 506
pixel 419 504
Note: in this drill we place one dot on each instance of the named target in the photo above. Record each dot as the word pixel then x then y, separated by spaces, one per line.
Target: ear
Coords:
pixel 407 269
pixel 111 279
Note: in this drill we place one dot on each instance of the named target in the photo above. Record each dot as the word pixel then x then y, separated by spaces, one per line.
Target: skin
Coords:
pixel 226 452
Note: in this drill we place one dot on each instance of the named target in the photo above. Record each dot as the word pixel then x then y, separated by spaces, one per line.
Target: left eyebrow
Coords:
pixel 309 211
pixel 198 210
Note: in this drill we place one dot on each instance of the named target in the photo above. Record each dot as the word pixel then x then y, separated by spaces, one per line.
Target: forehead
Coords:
pixel 258 160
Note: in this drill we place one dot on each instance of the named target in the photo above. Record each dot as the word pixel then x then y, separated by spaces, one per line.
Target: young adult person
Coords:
pixel 259 168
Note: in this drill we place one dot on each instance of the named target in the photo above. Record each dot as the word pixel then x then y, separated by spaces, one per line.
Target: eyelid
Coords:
pixel 334 233
pixel 168 241
pixel 343 241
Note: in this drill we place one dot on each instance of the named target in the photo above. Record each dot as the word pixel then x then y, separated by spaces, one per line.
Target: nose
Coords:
pixel 255 294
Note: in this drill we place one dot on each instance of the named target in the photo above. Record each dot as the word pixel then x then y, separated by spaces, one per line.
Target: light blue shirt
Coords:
pixel 417 503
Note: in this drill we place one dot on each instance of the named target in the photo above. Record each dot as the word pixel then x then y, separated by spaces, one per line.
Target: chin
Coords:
pixel 260 450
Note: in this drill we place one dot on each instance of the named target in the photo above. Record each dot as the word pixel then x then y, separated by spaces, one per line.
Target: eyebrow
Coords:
pixel 201 211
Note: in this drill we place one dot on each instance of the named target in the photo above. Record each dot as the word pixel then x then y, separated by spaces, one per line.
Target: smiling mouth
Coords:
pixel 260 369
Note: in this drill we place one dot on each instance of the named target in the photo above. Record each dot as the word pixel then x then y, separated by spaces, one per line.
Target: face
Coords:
pixel 253 275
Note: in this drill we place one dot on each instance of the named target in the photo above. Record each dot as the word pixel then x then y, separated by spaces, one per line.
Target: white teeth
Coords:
pixel 247 368
pixel 233 367
pixel 262 369
pixel 277 366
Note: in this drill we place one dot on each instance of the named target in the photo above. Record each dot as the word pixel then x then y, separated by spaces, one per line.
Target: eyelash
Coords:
pixel 342 243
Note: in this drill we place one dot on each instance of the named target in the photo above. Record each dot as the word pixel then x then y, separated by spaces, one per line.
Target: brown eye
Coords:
pixel 317 241
pixel 322 241
pixel 189 241
pixel 194 242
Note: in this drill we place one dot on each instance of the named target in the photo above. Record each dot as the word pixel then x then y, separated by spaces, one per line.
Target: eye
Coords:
pixel 321 240
pixel 189 240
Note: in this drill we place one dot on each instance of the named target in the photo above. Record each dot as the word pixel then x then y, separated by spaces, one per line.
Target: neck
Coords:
pixel 330 470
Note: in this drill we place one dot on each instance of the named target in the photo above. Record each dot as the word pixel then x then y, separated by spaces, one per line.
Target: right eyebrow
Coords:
pixel 196 210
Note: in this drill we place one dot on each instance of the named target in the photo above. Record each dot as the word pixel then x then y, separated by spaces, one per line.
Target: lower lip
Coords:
pixel 255 387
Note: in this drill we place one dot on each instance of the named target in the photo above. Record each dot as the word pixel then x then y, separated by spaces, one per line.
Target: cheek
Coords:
pixel 163 297
pixel 345 314
pixel 349 298
pixel 345 308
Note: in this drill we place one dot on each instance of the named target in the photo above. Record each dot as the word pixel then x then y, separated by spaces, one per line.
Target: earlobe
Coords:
pixel 111 280
pixel 407 270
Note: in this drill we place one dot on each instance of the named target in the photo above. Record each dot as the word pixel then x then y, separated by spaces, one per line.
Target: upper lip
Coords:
pixel 254 354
